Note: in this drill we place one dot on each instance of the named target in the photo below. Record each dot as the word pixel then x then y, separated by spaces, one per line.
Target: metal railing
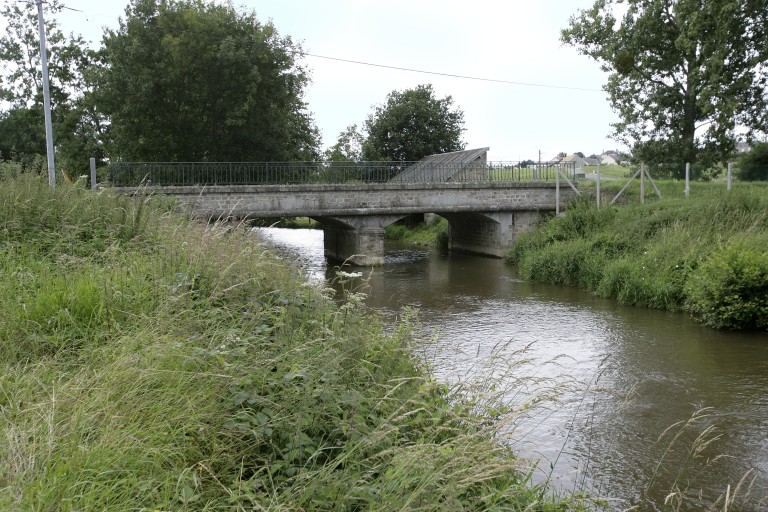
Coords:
pixel 131 174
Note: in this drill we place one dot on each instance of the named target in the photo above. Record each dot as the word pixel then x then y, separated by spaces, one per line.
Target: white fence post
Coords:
pixel 687 178
pixel 642 183
pixel 93 174
pixel 728 181
pixel 598 184
pixel 557 191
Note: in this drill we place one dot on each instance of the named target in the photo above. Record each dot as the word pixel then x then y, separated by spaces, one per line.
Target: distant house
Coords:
pixel 610 158
pixel 743 147
pixel 575 159
pixel 469 164
pixel 590 161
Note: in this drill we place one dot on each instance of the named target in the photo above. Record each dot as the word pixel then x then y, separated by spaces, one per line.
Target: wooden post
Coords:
pixel 93 174
pixel 728 186
pixel 642 183
pixel 687 179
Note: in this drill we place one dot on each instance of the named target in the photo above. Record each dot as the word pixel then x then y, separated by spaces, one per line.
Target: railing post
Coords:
pixel 687 179
pixel 642 183
pixel 728 186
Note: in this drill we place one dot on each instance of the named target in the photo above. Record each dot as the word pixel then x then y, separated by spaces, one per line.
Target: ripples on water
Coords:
pixel 619 376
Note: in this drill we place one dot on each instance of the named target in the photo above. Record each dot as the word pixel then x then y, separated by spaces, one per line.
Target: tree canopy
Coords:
pixel 75 123
pixel 348 147
pixel 189 80
pixel 684 75
pixel 753 165
pixel 413 124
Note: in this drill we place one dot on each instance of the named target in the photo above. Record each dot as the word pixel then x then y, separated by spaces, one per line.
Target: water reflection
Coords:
pixel 621 376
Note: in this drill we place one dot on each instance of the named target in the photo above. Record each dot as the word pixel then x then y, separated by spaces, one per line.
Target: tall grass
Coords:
pixel 662 254
pixel 148 362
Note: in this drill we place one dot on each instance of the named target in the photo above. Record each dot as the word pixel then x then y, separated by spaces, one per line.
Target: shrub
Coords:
pixel 753 166
pixel 730 289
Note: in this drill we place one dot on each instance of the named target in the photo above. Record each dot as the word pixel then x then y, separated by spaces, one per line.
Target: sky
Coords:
pixel 555 104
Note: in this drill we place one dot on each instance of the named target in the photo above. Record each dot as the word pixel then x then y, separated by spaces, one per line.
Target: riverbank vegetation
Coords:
pixel 429 234
pixel 148 362
pixel 705 254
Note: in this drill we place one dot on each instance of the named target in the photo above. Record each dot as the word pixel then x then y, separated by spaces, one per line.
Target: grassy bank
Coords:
pixel 148 362
pixel 705 254
pixel 434 234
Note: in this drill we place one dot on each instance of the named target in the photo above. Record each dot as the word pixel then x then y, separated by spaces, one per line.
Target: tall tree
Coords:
pixel 76 127
pixel 413 124
pixel 683 74
pixel 189 80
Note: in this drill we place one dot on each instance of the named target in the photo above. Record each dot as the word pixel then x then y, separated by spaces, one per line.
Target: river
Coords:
pixel 606 382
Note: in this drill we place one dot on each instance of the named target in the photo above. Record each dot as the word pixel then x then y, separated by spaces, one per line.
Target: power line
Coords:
pixel 528 84
pixel 422 71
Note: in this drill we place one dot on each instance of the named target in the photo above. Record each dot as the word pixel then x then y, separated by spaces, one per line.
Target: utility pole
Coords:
pixel 46 97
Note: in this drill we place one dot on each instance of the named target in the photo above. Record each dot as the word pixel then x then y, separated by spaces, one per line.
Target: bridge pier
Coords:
pixel 358 240
pixel 489 233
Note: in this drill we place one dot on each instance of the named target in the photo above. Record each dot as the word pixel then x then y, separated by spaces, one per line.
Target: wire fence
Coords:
pixel 131 174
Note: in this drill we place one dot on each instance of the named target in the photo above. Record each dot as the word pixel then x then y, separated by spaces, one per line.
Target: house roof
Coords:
pixel 573 158
pixel 456 161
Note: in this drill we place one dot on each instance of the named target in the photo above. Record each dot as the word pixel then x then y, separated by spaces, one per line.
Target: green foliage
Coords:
pixel 348 147
pixel 683 74
pixel 77 127
pixel 753 165
pixel 151 363
pixel 649 255
pixel 22 135
pixel 187 80
pixel 730 288
pixel 413 124
pixel 434 234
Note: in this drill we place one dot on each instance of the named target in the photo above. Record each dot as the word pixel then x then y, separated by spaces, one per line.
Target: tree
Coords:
pixel 76 127
pixel 413 124
pixel 753 165
pixel 348 147
pixel 683 74
pixel 22 136
pixel 189 80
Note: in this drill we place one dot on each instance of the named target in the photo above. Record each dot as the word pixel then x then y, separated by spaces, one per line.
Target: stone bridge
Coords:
pixel 483 217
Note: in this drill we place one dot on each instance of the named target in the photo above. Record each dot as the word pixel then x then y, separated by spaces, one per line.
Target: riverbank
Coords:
pixel 429 234
pixel 149 362
pixel 705 254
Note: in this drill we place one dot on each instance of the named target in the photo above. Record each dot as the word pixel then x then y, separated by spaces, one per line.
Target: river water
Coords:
pixel 607 384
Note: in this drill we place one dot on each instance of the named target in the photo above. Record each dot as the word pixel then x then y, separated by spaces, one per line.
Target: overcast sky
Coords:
pixel 563 108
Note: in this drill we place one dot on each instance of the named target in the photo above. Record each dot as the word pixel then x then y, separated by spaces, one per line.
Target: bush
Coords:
pixel 753 166
pixel 730 289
